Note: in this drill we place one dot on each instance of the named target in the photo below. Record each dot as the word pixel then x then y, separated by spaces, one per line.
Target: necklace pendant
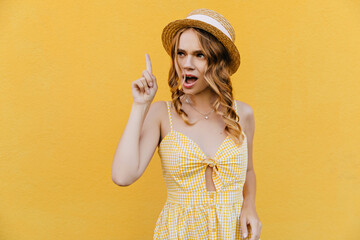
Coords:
pixel 206 117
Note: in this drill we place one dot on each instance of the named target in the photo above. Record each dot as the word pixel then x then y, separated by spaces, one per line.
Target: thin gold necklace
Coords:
pixel 206 116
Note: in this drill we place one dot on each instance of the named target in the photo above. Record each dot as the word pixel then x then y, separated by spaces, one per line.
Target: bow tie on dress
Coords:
pixel 215 174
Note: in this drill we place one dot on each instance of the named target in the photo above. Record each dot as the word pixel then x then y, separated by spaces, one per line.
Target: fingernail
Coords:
pixel 150 84
pixel 245 235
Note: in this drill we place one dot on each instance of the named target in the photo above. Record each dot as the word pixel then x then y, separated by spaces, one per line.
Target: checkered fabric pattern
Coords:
pixel 190 211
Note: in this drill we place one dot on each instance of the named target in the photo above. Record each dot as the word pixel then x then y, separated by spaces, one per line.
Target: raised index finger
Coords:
pixel 148 63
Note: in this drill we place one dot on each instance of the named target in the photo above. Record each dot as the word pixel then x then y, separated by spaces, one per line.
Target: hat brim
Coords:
pixel 172 28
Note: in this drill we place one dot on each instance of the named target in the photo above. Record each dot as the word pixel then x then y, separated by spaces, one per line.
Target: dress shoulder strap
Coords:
pixel 169 113
pixel 235 107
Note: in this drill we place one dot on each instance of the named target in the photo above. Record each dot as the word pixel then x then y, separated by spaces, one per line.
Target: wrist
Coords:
pixel 142 106
pixel 249 202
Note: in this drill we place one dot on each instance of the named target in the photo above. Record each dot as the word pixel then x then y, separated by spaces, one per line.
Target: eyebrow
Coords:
pixel 194 52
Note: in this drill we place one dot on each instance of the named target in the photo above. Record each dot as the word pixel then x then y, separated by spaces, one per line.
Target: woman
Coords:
pixel 204 136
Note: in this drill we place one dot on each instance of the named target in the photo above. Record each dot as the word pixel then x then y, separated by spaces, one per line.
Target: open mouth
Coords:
pixel 189 79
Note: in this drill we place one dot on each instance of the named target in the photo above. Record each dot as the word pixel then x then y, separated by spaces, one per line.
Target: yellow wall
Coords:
pixel 65 74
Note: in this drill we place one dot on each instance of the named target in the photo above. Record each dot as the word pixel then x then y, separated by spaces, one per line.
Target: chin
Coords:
pixel 186 90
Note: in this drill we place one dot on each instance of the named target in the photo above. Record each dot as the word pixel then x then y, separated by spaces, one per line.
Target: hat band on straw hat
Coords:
pixel 211 21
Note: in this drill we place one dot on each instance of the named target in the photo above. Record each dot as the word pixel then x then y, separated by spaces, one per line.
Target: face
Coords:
pixel 192 63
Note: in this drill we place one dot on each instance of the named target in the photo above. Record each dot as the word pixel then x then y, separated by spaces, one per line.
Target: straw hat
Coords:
pixel 211 22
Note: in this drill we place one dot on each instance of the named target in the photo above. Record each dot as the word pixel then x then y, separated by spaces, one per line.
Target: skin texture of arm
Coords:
pixel 137 144
pixel 142 132
pixel 250 182
pixel 248 212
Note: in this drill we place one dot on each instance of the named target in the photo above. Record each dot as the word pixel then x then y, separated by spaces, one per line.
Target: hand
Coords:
pixel 144 88
pixel 249 216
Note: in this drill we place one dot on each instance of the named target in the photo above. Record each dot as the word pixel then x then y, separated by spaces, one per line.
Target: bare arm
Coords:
pixel 141 134
pixel 250 182
pixel 248 211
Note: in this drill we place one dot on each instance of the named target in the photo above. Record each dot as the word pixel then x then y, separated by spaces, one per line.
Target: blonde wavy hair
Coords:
pixel 218 77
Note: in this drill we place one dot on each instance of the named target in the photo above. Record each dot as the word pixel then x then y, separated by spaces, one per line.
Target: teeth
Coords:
pixel 186 78
pixel 190 78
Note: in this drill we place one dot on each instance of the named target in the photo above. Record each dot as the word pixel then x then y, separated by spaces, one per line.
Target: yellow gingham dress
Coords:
pixel 190 211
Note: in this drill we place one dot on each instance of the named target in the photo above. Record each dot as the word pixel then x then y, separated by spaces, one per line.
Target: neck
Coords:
pixel 202 102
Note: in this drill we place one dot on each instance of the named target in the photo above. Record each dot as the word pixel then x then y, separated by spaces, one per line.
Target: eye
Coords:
pixel 200 55
pixel 180 54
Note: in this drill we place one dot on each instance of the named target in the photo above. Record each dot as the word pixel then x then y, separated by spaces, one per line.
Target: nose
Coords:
pixel 189 64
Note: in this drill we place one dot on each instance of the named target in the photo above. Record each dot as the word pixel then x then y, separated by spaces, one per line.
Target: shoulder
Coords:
pixel 245 111
pixel 158 105
pixel 158 110
pixel 246 114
